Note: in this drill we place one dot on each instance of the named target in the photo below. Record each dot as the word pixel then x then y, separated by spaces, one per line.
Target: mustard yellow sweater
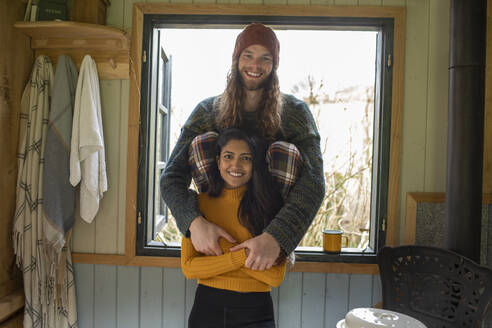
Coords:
pixel 226 271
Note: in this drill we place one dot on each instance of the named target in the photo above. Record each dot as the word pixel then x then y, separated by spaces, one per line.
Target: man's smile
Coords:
pixel 253 74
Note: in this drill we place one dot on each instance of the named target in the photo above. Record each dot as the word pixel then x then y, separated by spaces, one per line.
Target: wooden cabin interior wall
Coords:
pixel 120 296
pixel 15 62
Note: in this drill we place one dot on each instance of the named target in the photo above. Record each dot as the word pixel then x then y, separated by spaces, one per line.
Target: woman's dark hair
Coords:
pixel 261 200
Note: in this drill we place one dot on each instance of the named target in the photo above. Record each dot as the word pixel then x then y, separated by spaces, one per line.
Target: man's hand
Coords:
pixel 263 251
pixel 205 236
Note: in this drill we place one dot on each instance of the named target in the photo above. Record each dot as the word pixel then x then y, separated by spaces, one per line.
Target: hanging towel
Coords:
pixel 43 308
pixel 58 193
pixel 87 155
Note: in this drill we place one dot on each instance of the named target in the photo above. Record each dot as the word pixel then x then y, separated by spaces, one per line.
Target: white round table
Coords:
pixel 378 318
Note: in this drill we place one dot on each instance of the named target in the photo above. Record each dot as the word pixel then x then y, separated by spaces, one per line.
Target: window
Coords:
pixel 356 162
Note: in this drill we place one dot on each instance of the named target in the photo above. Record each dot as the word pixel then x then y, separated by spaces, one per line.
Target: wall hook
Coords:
pixel 112 63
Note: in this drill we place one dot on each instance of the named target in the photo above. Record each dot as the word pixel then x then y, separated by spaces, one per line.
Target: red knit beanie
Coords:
pixel 257 33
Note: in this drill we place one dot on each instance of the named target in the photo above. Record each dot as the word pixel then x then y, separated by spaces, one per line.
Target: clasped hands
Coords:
pixel 262 251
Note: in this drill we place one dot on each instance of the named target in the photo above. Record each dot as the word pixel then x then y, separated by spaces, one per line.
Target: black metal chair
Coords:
pixel 439 287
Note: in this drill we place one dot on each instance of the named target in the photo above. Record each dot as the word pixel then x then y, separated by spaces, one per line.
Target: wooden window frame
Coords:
pixel 141 9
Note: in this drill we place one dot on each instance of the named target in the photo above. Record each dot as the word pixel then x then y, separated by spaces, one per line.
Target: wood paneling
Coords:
pixel 437 98
pixel 360 290
pixel 156 297
pixel 313 300
pixel 104 296
pixel 336 298
pixel 345 2
pixel 290 296
pixel 107 219
pixel 127 287
pixel 85 284
pixel 415 98
pixel 15 62
pixel 394 3
pixel 370 2
pixel 151 297
pixel 174 298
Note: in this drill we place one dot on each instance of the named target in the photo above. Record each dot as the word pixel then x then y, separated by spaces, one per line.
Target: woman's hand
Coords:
pixel 205 236
pixel 263 251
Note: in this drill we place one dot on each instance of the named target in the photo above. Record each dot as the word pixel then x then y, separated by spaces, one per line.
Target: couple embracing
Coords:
pixel 255 157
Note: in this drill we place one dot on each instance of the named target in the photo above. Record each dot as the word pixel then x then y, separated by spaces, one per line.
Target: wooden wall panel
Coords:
pixel 370 2
pixel 84 285
pixel 415 99
pixel 151 297
pixel 84 234
pixel 127 289
pixel 377 296
pixel 437 98
pixel 115 14
pixel 107 218
pixel 298 2
pixel 323 2
pixel 128 13
pixel 313 300
pixel 125 92
pixel 275 2
pixel 227 2
pixel 105 296
pixel 360 290
pixel 336 298
pixel 394 3
pixel 345 2
pixel 250 2
pixel 290 295
pixel 16 59
pixel 174 298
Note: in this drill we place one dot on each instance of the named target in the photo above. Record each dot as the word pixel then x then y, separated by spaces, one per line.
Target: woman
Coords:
pixel 242 200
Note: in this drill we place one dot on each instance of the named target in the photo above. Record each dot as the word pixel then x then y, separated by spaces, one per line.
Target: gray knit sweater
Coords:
pixel 298 127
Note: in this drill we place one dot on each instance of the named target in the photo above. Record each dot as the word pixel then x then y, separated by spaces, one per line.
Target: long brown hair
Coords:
pixel 231 104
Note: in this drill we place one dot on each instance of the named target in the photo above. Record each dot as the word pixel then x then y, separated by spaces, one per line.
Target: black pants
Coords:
pixel 219 308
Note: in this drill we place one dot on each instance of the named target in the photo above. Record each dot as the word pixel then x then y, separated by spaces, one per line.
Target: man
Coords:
pixel 251 101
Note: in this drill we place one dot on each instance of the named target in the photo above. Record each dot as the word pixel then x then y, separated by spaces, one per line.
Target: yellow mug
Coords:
pixel 332 241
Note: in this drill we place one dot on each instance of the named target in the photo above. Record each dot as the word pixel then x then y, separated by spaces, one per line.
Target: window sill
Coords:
pixel 349 263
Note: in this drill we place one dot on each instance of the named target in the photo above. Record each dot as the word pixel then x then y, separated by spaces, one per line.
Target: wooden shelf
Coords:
pixel 108 46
